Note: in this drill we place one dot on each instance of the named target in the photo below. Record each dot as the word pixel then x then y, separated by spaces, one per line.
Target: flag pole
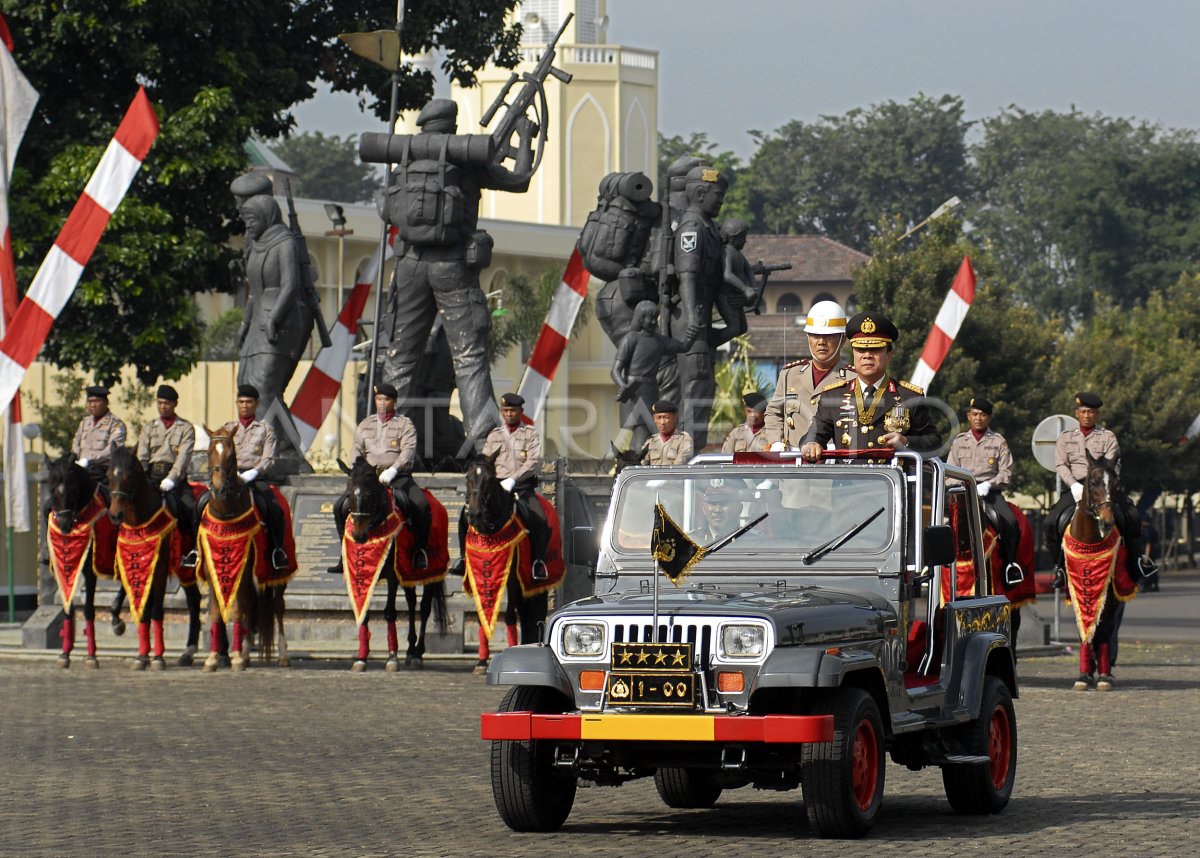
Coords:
pixel 657 572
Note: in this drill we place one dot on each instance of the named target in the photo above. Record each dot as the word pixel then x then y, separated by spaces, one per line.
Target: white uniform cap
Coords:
pixel 825 317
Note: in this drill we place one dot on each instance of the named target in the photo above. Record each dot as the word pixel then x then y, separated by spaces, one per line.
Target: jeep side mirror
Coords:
pixel 583 548
pixel 938 545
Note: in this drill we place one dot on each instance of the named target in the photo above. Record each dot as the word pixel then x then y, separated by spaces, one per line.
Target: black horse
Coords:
pixel 370 505
pixel 627 458
pixel 488 508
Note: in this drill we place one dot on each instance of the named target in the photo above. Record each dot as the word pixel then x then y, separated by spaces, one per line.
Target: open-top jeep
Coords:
pixel 797 655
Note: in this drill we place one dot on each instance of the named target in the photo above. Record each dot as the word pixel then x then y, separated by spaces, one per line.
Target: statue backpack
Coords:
pixel 428 204
pixel 615 234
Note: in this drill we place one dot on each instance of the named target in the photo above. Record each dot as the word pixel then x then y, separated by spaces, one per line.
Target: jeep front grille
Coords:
pixel 700 633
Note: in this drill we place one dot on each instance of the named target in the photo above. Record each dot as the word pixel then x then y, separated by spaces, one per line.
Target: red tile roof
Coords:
pixel 814 258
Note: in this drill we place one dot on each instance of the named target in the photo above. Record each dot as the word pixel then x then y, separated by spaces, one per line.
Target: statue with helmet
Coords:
pixel 432 198
pixel 790 410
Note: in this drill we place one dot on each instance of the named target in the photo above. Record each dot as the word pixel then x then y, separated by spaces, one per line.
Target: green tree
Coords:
pixel 735 378
pixel 520 310
pixel 217 71
pixel 327 168
pixel 1077 206
pixel 1003 350
pixel 841 176
pixel 220 338
pixel 697 144
pixel 59 422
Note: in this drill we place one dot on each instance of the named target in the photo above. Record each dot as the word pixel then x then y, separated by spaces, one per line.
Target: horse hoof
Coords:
pixel 64 660
pixel 480 668
pixel 118 626
pixel 238 664
pixel 224 661
pixel 91 662
pixel 359 666
pixel 1105 683
pixel 140 662
pixel 414 662
pixel 158 663
pixel 187 657
pixel 285 662
pixel 392 665
pixel 210 663
pixel 1082 683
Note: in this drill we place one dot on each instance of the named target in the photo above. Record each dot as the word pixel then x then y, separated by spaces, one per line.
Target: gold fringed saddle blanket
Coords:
pixel 93 531
pixel 964 568
pixel 227 549
pixel 363 562
pixel 139 550
pixel 1092 570
pixel 437 551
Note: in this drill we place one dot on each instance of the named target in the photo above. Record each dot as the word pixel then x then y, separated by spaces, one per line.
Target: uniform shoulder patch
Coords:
pixel 907 385
pixel 802 362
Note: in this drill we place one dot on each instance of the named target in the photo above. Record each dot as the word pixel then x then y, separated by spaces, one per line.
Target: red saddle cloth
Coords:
pixel 363 562
pixel 139 552
pixel 1094 570
pixel 93 532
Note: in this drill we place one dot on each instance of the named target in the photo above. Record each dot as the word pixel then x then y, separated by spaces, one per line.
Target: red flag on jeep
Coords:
pixel 674 550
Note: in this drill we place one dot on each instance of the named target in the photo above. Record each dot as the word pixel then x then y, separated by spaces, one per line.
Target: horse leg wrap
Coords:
pixel 143 640
pixel 1104 666
pixel 214 637
pixel 393 638
pixel 89 632
pixel 156 627
pixel 1086 664
pixel 68 635
pixel 484 650
pixel 364 642
pixel 237 637
pixel 511 631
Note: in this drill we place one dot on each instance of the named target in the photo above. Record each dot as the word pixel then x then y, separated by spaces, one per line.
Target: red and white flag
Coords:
pixel 945 326
pixel 320 387
pixel 17 100
pixel 59 274
pixel 552 341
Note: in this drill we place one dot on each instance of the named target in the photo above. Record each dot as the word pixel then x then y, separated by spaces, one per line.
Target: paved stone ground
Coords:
pixel 318 761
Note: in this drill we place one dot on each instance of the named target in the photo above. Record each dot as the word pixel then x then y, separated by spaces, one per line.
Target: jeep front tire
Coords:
pixel 843 779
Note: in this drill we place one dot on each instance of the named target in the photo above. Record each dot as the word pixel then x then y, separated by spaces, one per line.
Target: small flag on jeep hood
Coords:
pixel 674 550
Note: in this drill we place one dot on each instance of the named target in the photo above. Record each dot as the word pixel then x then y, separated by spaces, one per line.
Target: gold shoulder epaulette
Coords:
pixel 795 363
pixel 834 385
pixel 910 386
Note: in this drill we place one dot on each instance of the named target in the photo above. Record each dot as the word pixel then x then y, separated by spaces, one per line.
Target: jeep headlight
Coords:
pixel 583 639
pixel 742 641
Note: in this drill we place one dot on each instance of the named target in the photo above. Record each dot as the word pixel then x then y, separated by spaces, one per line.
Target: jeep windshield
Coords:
pixel 805 509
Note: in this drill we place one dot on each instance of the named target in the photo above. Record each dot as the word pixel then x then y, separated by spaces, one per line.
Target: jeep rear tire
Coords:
pixel 531 794
pixel 687 788
pixel 986 787
pixel 843 779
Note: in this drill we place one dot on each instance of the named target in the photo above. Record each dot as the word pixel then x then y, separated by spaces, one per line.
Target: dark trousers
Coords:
pixel 179 500
pixel 996 508
pixel 264 499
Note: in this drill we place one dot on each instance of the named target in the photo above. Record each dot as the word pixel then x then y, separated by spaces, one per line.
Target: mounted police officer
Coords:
pixel 790 410
pixel 519 458
pixel 749 435
pixel 874 409
pixel 1070 463
pixel 98 434
pixel 985 454
pixel 667 446
pixel 165 450
pixel 388 441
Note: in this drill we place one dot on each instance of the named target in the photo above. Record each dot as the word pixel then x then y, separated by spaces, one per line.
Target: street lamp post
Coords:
pixel 337 216
pixel 945 208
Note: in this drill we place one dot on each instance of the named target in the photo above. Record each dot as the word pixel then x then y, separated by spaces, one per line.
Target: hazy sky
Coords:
pixel 727 67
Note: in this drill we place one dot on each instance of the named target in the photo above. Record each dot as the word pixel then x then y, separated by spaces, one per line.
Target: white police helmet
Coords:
pixel 825 317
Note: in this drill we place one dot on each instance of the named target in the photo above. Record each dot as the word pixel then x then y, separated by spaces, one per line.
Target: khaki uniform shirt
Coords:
pixel 387 444
pixel 988 458
pixel 1070 461
pixel 743 438
pixel 254 445
pixel 95 439
pixel 676 450
pixel 158 445
pixel 520 451
pixel 790 410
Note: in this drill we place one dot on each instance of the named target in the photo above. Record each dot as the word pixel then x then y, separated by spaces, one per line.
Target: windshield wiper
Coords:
pixel 838 541
pixel 741 531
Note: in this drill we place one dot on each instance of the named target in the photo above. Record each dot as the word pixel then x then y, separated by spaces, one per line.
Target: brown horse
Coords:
pixel 232 549
pixel 148 547
pixel 1097 573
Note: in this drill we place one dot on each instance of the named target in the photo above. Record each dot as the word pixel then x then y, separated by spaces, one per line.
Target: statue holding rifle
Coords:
pixel 433 199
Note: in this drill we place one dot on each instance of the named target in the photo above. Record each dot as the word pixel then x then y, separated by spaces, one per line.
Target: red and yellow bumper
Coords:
pixel 616 727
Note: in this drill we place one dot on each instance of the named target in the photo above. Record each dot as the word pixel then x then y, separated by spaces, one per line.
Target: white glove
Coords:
pixel 167 484
pixel 1077 492
pixel 83 463
pixel 387 476
pixel 983 488
pixel 507 484
pixel 248 476
pixel 778 447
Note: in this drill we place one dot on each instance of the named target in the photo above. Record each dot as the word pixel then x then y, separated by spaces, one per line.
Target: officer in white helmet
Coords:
pixel 790 409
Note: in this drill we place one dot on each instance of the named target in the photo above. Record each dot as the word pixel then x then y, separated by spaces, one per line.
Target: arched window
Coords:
pixel 852 305
pixel 824 296
pixel 789 302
